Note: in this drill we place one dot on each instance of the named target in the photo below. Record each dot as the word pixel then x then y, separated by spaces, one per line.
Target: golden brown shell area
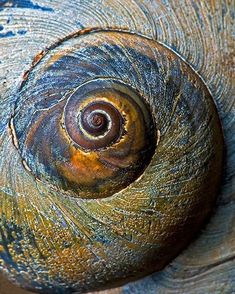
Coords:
pixel 95 141
pixel 85 244
pixel 88 133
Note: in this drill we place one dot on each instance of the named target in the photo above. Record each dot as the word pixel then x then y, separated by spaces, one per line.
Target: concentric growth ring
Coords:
pixel 127 145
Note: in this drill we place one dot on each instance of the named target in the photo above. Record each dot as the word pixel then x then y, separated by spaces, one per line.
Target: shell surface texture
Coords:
pixel 117 152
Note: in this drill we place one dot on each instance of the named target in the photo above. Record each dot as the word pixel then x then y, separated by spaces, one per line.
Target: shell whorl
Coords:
pixel 100 135
pixel 141 224
pixel 155 160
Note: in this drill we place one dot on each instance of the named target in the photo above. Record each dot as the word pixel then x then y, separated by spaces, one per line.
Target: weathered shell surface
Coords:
pixel 201 34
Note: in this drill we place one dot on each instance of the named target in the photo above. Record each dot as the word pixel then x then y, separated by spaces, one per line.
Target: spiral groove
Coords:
pixel 126 145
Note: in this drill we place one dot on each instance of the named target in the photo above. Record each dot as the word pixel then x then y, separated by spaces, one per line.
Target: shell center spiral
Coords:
pixel 94 142
pixel 100 119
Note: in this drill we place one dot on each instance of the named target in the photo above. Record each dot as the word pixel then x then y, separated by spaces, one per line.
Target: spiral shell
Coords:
pixel 146 124
pixel 154 116
pixel 96 138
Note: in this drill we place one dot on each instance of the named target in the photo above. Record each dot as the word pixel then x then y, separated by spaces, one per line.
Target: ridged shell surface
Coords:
pixel 125 217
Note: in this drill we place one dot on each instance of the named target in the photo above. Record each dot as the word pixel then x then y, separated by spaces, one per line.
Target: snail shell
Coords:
pixel 67 233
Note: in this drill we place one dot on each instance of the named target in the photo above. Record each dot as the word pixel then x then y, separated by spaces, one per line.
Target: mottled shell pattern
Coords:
pixel 111 146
